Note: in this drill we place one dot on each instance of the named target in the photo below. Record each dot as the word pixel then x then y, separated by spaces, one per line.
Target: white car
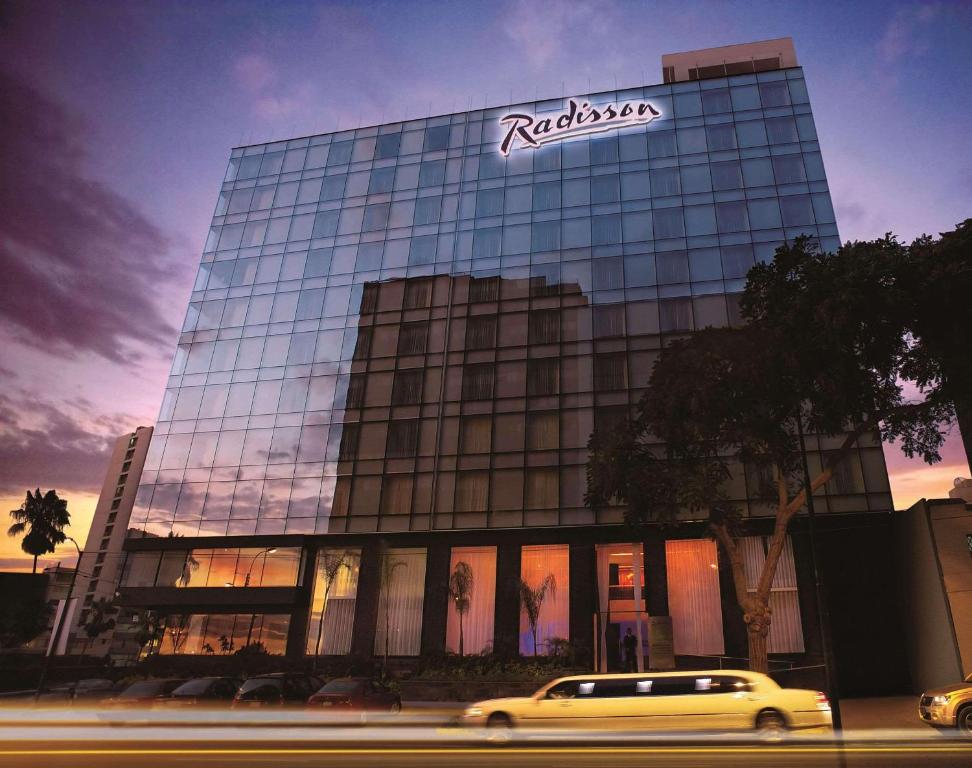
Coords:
pixel 712 700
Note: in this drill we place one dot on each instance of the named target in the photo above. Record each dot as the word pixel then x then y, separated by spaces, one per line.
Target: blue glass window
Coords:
pixel 489 202
pixel 387 146
pixel 732 217
pixel 717 101
pixel 764 213
pixel 340 153
pixel 606 229
pixel 546 195
pixel 432 173
pixel 605 189
pixel 382 180
pixel 546 236
pixel 782 130
pixel 672 267
pixel 797 210
pixel 635 186
pixel 664 182
pixel 726 175
pixel 436 138
pixel 668 223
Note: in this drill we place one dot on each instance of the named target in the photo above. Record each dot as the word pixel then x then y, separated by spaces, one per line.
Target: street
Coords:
pixel 280 754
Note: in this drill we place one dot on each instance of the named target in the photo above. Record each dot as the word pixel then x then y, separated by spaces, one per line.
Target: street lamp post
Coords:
pixel 56 635
pixel 822 610
pixel 246 583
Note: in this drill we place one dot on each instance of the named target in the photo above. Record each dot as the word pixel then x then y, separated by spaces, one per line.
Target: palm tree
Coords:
pixel 532 599
pixel 147 629
pixel 460 589
pixel 41 520
pixel 331 565
pixel 99 620
pixel 386 573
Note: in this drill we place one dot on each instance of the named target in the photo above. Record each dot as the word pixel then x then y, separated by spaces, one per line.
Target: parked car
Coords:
pixel 203 691
pixel 358 694
pixel 144 693
pixel 948 707
pixel 89 691
pixel 276 690
pixel 717 700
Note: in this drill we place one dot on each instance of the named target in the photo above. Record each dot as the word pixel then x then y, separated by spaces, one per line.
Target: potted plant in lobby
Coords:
pixel 460 589
pixel 532 600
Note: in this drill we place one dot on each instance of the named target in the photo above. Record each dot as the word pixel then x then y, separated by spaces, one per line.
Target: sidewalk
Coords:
pixel 900 712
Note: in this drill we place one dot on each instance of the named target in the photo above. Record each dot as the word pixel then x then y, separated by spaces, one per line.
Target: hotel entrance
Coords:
pixel 621 628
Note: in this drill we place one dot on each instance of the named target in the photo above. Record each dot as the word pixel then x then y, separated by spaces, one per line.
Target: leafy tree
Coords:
pixel 22 618
pixel 821 352
pixel 41 521
pixel 331 565
pixel 100 618
pixel 460 589
pixel 532 600
pixel 935 279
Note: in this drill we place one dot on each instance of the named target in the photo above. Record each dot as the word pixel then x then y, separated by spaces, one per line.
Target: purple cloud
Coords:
pixel 44 445
pixel 81 265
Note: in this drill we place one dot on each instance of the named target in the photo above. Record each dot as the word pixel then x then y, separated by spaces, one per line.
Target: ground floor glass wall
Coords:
pixel 400 602
pixel 477 608
pixel 550 563
pixel 694 600
pixel 331 620
pixel 222 634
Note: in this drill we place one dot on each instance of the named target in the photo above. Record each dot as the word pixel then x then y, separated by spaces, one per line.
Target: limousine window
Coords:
pixel 659 686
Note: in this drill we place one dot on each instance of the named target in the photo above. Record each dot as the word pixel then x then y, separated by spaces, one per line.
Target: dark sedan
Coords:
pixel 358 694
pixel 203 691
pixel 144 693
pixel 276 690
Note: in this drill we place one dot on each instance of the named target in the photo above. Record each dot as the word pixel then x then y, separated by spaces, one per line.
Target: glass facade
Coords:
pixel 398 329
pixel 399 332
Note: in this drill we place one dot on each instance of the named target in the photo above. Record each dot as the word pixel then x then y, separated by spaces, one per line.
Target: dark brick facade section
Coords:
pixel 435 609
pixel 506 627
pixel 366 602
pixel 583 601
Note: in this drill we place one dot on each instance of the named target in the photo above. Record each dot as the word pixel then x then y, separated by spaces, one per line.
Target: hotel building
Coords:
pixel 401 339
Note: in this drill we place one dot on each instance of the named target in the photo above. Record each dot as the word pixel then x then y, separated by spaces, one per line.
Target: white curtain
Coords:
pixel 477 622
pixel 400 602
pixel 786 628
pixel 335 634
pixel 536 563
pixel 694 601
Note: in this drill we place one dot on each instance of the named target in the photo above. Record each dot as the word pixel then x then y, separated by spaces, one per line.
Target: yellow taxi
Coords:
pixel 711 700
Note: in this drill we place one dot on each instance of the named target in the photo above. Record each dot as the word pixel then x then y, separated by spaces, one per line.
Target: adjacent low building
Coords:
pixel 401 339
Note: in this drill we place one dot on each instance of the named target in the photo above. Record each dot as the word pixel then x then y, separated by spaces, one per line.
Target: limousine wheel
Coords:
pixel 770 725
pixel 499 728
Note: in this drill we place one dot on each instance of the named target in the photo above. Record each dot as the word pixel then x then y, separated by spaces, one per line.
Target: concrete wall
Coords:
pixel 930 639
pixel 951 524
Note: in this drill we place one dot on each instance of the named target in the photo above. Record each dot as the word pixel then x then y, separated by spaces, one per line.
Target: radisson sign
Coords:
pixel 577 120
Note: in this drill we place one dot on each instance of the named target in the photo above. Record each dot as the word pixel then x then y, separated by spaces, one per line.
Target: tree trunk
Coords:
pixel 757 620
pixel 35 564
pixel 534 630
pixel 460 636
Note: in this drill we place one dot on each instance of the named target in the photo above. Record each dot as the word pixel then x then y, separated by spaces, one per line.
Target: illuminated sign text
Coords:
pixel 531 132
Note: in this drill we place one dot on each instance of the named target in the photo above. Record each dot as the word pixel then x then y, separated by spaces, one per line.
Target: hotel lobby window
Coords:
pixel 479 608
pixel 694 600
pixel 537 563
pixel 400 600
pixel 335 589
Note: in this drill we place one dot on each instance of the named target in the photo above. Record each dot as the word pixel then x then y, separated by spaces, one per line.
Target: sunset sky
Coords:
pixel 118 119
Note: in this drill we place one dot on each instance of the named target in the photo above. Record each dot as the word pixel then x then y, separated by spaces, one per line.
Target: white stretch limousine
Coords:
pixel 713 700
